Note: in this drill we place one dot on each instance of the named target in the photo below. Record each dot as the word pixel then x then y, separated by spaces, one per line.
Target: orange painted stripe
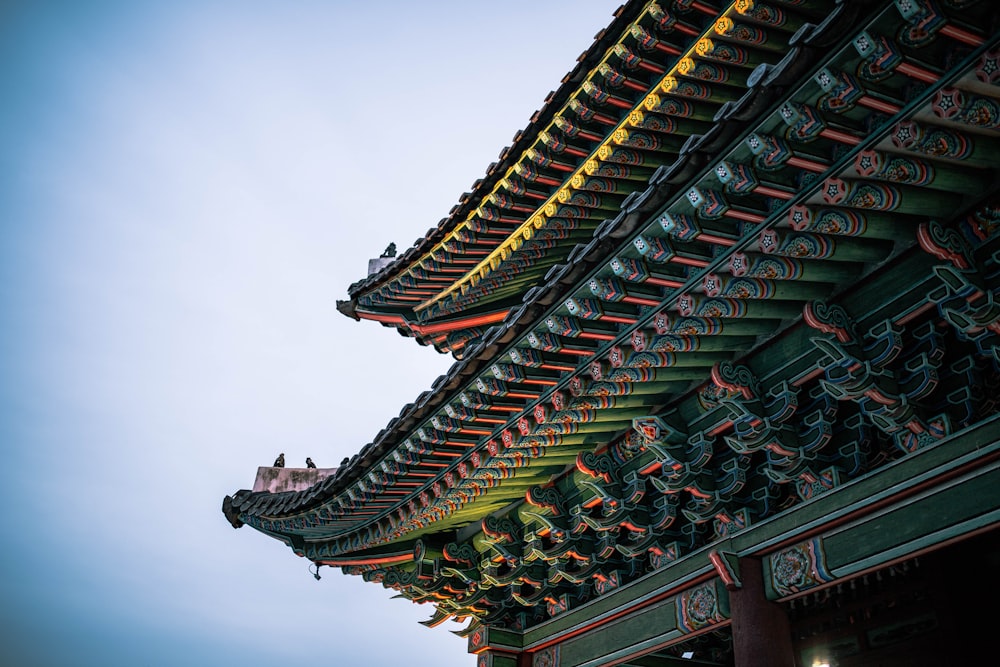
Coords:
pixel 557 367
pixel 378 560
pixel 478 320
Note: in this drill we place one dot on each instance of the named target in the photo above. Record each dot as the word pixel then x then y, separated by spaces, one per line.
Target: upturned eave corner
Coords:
pixel 727 366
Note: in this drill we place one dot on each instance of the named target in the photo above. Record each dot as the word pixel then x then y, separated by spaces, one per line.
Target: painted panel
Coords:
pixel 620 636
pixel 918 524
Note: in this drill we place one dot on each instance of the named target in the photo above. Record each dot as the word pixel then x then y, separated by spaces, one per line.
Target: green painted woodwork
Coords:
pixel 699 394
pixel 655 625
pixel 857 496
pixel 922 522
pixel 491 659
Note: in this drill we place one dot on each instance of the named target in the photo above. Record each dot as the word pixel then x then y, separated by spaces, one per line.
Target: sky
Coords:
pixel 186 189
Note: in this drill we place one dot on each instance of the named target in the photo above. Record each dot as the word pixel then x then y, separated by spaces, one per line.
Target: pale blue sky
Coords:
pixel 185 190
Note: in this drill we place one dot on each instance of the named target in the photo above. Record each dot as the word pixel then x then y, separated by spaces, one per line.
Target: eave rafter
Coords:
pixel 635 109
pixel 637 406
pixel 647 97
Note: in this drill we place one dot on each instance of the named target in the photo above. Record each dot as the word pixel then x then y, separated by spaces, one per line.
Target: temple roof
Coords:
pixel 793 214
pixel 595 142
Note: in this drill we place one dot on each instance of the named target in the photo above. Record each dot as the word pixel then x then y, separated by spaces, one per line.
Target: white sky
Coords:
pixel 185 190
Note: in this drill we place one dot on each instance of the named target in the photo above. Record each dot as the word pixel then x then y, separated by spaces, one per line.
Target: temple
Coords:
pixel 727 347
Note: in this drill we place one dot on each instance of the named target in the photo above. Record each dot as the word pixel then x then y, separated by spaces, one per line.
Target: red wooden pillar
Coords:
pixel 762 636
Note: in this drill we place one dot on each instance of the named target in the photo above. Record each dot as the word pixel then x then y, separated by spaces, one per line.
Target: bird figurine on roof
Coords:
pixel 390 250
pixel 309 463
pixel 280 461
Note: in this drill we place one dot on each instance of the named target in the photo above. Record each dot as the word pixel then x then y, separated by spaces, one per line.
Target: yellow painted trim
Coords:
pixel 538 219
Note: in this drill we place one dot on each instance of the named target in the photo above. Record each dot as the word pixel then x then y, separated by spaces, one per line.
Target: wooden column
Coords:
pixel 761 632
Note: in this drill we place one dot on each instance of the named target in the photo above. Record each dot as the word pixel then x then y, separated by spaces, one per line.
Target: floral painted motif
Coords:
pixel 799 568
pixel 699 607
pixel 547 657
